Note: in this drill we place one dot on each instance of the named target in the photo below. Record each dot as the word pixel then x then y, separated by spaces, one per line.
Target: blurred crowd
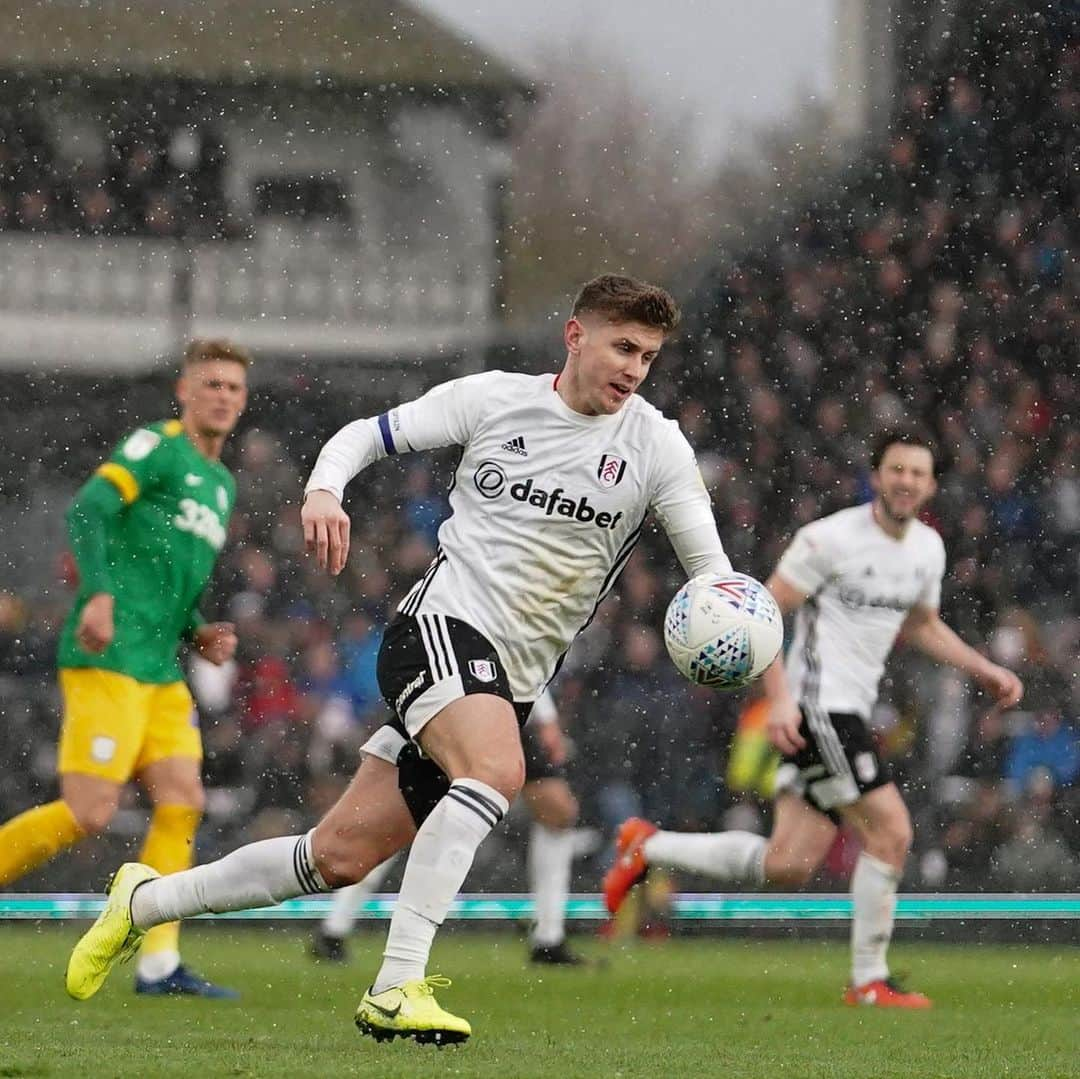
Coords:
pixel 941 282
pixel 148 178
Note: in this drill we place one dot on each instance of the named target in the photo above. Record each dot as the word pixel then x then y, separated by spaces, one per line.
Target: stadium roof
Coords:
pixel 353 42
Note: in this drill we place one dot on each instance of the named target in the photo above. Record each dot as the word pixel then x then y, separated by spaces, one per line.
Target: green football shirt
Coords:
pixel 151 540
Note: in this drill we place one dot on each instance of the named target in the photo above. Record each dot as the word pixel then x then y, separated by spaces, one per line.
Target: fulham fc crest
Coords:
pixel 611 470
pixel 483 670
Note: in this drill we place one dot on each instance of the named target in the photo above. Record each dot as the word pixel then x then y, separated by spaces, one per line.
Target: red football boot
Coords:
pixel 630 864
pixel 885 994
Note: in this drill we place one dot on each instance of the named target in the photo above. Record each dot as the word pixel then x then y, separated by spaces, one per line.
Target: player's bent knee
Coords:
pixel 193 799
pixel 505 773
pixel 892 844
pixel 94 816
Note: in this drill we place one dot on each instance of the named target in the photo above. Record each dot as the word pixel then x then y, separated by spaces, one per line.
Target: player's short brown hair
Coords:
pixel 205 349
pixel 625 299
pixel 907 434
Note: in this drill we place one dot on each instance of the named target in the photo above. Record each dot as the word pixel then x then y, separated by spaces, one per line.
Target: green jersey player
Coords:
pixel 146 530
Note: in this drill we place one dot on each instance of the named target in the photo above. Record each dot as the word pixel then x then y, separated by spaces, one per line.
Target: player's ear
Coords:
pixel 875 481
pixel 182 389
pixel 573 335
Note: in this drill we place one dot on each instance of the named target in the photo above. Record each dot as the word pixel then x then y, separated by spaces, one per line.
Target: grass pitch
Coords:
pixel 686 1008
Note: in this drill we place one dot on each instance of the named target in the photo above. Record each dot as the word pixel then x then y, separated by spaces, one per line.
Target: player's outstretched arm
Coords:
pixel 785 717
pixel 444 416
pixel 925 629
pixel 683 507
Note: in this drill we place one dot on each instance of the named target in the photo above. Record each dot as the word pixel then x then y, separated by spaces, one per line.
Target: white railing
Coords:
pixel 121 302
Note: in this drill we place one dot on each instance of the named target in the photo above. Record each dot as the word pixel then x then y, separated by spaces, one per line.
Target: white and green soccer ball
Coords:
pixel 723 630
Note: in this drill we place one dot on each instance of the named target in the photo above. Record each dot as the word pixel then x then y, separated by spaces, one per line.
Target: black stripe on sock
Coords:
pixel 298 867
pixel 483 799
pixel 304 875
pixel 453 792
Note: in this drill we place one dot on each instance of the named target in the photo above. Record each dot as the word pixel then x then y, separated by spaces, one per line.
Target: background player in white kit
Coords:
pixel 857 578
pixel 554 812
pixel 555 480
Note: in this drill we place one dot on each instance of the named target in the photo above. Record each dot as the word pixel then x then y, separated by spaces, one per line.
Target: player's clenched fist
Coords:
pixel 785 719
pixel 95 630
pixel 1005 687
pixel 326 530
pixel 216 642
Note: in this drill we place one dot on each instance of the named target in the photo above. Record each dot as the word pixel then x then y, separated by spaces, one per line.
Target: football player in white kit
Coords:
pixel 556 477
pixel 857 579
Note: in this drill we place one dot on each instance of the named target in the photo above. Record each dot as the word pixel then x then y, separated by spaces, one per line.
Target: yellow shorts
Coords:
pixel 114 726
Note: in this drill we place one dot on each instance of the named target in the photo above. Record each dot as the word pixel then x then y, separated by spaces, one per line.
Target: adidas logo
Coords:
pixel 516 445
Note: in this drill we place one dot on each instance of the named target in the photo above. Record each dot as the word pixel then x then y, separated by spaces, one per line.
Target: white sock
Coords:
pixel 442 854
pixel 551 850
pixel 346 905
pixel 258 875
pixel 157 965
pixel 873 893
pixel 736 857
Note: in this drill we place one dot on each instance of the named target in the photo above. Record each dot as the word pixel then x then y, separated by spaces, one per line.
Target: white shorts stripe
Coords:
pixel 821 739
pixel 435 663
pixel 828 741
pixel 442 639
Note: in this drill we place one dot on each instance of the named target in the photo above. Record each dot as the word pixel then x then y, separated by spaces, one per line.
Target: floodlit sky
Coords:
pixel 730 63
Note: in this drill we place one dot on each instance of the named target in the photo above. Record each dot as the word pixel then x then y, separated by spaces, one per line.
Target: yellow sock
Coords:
pixel 33 837
pixel 169 847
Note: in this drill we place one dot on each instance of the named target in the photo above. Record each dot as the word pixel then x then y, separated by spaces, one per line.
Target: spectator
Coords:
pixel 1049 746
pixel 360 642
pixel 158 182
pixel 983 758
pixel 1034 857
pixel 268 696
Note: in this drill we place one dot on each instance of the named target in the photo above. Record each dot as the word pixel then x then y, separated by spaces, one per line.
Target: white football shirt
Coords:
pixel 547 505
pixel 861 584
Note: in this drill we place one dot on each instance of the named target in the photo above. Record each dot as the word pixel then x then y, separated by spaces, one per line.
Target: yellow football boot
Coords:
pixel 112 938
pixel 411 1011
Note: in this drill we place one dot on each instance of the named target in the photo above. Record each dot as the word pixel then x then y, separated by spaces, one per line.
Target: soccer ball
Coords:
pixel 723 630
